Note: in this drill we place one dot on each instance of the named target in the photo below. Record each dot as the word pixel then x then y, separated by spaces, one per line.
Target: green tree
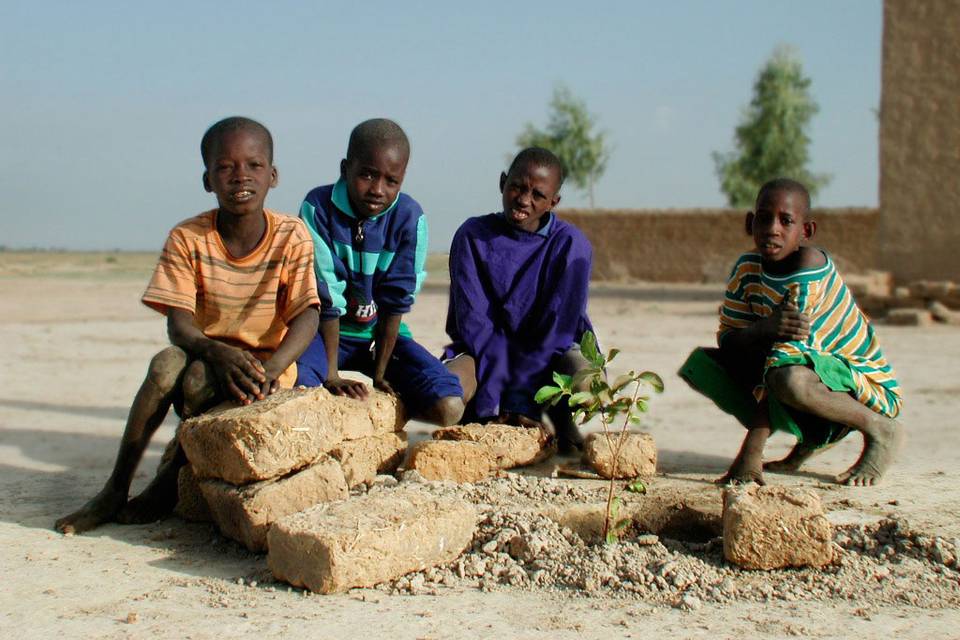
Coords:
pixel 569 134
pixel 771 140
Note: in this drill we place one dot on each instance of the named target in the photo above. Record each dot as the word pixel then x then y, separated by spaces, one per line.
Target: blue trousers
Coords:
pixel 418 377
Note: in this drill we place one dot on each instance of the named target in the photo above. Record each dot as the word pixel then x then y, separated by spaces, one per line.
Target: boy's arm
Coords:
pixel 787 323
pixel 396 289
pixel 329 269
pixel 300 333
pixel 239 372
pixel 330 332
pixel 385 338
pixel 472 323
pixel 553 329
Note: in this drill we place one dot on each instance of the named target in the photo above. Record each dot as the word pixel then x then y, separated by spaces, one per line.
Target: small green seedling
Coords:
pixel 590 395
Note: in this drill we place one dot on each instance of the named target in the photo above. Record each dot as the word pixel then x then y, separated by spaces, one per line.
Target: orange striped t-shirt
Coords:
pixel 244 302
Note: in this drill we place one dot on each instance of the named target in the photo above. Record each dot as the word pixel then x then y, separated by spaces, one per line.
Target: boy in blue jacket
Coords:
pixel 371 247
pixel 518 299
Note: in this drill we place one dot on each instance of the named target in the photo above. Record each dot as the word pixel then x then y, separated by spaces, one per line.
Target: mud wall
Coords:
pixel 700 245
pixel 919 229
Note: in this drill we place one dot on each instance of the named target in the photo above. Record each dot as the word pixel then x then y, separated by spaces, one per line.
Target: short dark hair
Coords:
pixel 374 133
pixel 539 157
pixel 228 125
pixel 784 184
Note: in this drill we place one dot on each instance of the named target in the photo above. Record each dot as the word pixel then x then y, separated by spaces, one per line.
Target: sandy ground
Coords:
pixel 76 342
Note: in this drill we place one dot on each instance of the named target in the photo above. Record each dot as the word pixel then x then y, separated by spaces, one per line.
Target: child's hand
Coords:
pixel 383 385
pixel 786 323
pixel 239 372
pixel 344 387
pixel 272 383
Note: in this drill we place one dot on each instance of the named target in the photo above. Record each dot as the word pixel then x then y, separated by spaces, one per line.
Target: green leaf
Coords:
pixel 637 486
pixel 579 398
pixel 615 508
pixel 563 381
pixel 621 381
pixel 621 525
pixel 612 537
pixel 588 348
pixel 584 375
pixel 653 380
pixel 545 393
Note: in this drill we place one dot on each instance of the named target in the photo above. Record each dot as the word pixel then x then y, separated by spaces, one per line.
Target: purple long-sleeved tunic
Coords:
pixel 517 300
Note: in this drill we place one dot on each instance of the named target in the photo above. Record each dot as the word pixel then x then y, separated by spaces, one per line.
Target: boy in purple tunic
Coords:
pixel 518 299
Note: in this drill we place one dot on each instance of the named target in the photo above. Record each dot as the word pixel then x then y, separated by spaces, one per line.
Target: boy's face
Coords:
pixel 529 193
pixel 373 179
pixel 779 226
pixel 240 172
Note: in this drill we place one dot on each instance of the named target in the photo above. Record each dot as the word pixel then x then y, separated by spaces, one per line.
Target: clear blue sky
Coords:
pixel 104 103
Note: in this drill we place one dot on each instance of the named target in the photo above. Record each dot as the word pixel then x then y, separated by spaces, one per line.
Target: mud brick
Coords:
pixel 775 527
pixel 452 460
pixel 638 454
pixel 510 446
pixel 933 289
pixel 363 459
pixel 875 284
pixel 286 431
pixel 909 317
pixel 191 505
pixel 370 539
pixel 246 513
pixel 942 313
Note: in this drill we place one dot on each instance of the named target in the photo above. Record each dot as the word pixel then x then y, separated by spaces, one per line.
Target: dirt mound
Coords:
pixel 518 547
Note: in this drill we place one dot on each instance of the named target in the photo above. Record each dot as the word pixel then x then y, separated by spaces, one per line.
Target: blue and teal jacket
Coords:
pixel 365 266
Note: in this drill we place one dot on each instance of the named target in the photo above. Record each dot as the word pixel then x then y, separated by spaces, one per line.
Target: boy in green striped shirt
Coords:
pixel 795 352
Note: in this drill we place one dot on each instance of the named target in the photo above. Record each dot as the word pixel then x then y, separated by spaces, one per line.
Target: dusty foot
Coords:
pixel 569 440
pixel 743 472
pixel 157 501
pixel 103 508
pixel 879 450
pixel 793 461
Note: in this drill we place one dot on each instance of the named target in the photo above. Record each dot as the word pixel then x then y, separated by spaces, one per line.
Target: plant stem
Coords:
pixel 616 457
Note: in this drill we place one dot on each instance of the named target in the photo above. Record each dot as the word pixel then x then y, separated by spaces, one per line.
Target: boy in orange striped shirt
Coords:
pixel 238 288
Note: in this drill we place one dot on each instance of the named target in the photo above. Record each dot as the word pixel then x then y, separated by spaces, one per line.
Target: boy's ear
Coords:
pixel 555 201
pixel 809 229
pixel 206 183
pixel 748 223
pixel 274 176
pixel 503 181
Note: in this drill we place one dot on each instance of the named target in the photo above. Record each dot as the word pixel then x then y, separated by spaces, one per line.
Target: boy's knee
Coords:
pixel 789 385
pixel 199 390
pixel 166 367
pixel 446 411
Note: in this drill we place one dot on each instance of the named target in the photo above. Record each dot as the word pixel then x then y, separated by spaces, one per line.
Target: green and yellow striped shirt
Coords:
pixel 837 326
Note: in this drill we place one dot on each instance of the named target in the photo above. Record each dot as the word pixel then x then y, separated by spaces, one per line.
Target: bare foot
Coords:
pixel 742 472
pixel 569 439
pixel 793 461
pixel 103 508
pixel 879 450
pixel 156 502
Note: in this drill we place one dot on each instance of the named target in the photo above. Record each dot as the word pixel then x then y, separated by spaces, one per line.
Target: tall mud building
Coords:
pixel 919 230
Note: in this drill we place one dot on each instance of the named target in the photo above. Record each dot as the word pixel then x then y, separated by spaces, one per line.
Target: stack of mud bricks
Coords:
pixel 250 466
pixel 921 303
